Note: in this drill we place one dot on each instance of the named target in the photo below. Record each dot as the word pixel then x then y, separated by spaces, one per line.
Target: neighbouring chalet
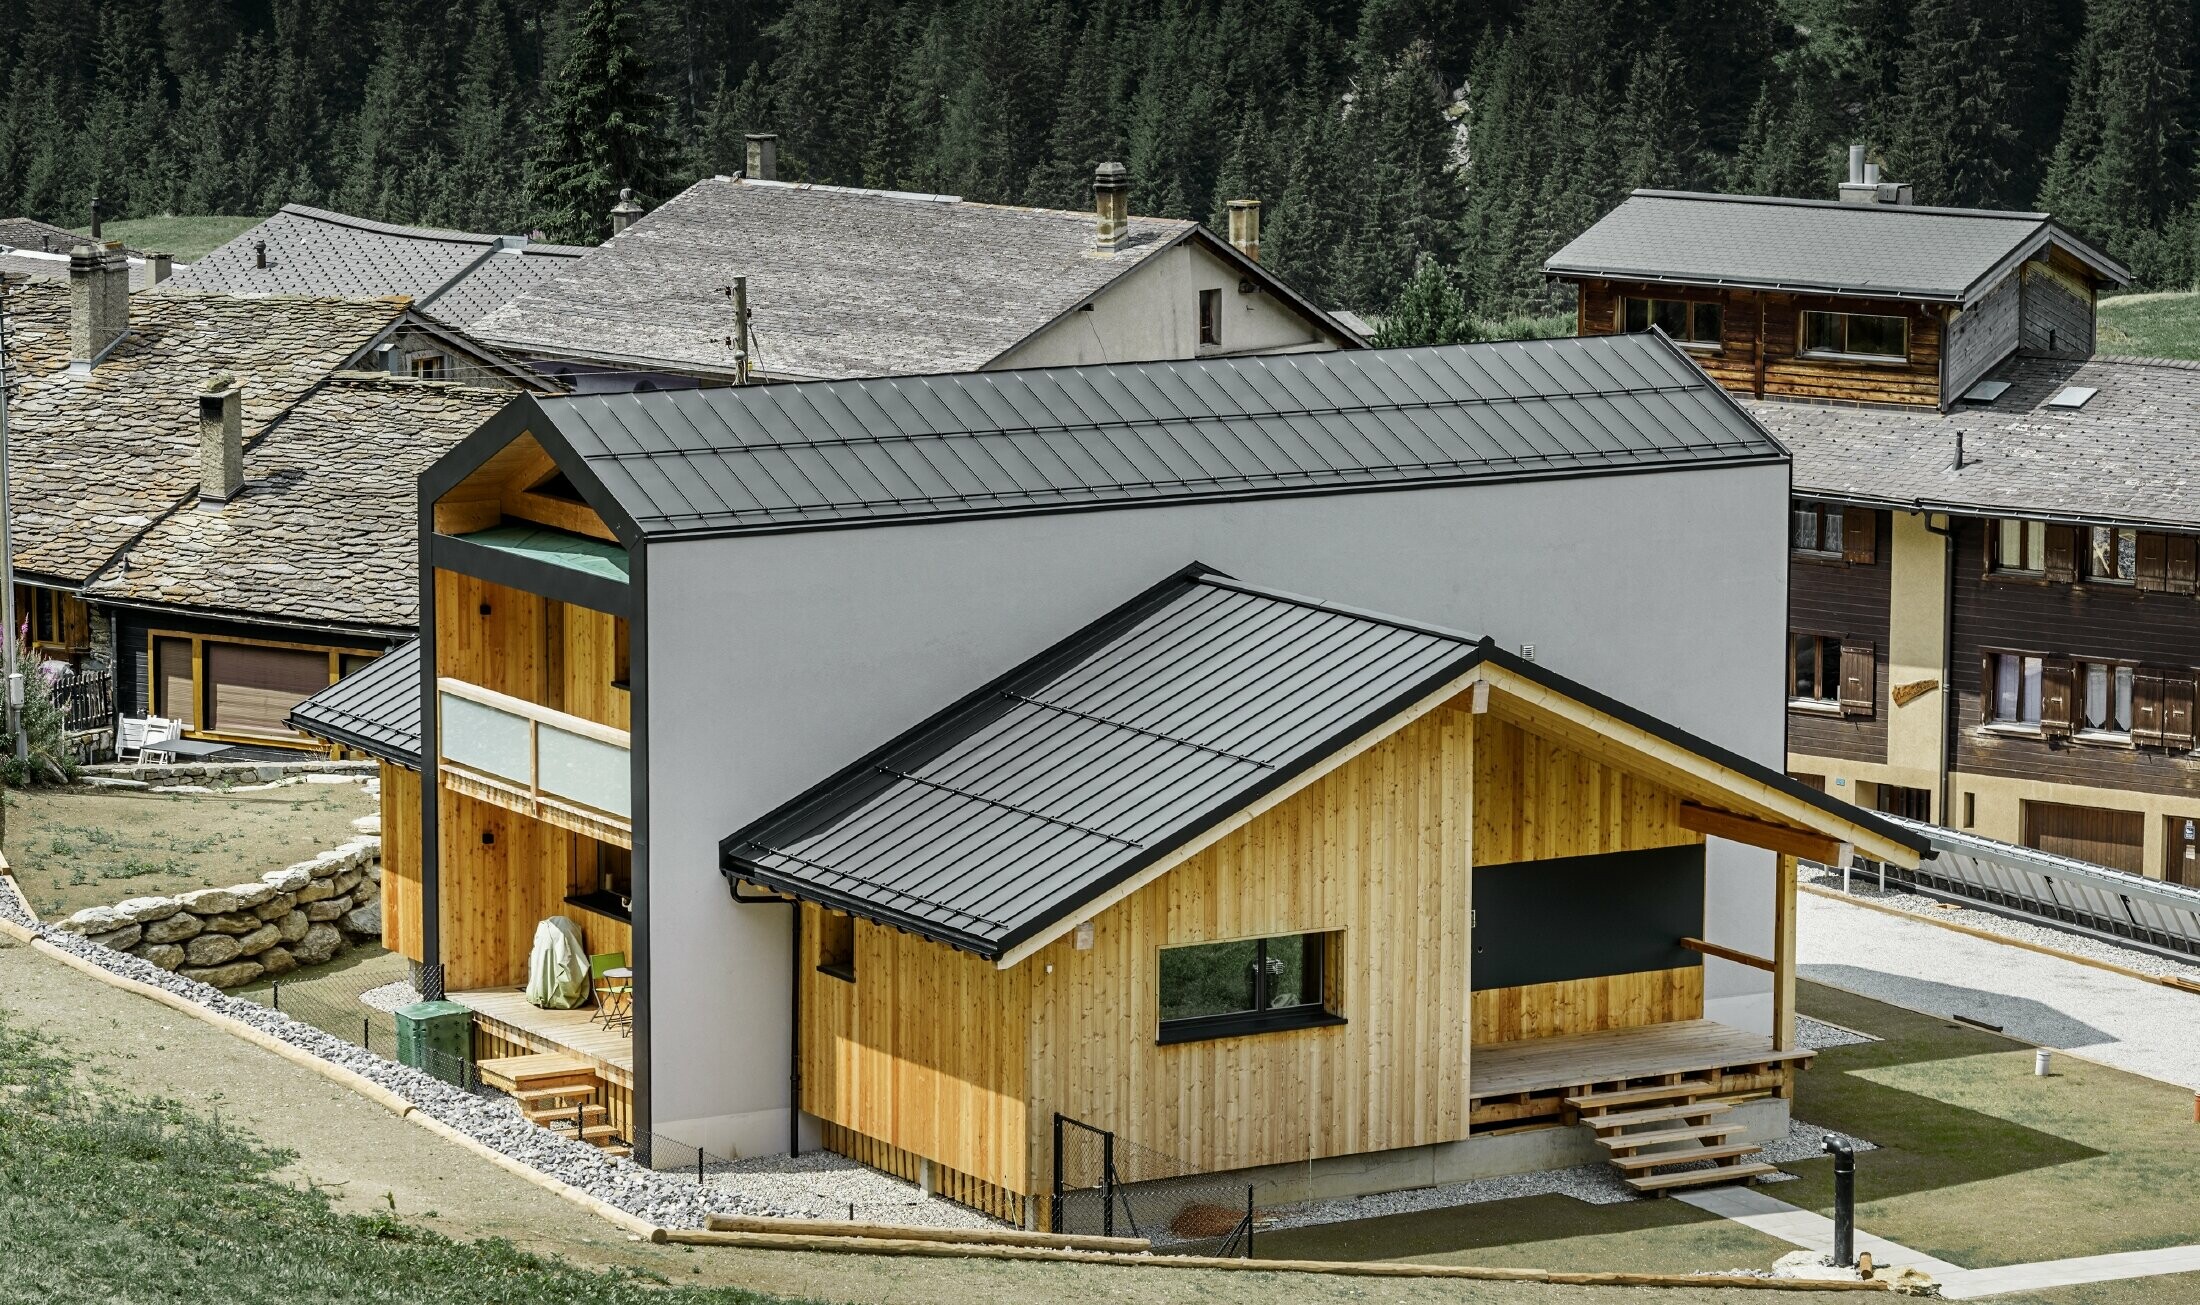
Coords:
pixel 849 283
pixel 1993 612
pixel 1866 299
pixel 213 495
pixel 452 278
pixel 780 629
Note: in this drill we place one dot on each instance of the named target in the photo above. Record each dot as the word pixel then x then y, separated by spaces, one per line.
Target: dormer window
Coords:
pixel 1856 337
pixel 1686 322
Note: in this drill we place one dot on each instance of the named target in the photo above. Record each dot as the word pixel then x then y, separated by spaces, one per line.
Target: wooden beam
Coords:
pixel 962 1236
pixel 1783 957
pixel 1760 833
pixel 1702 948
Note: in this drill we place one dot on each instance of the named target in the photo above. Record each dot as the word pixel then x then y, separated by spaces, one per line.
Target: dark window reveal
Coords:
pixel 1685 321
pixel 1251 985
pixel 836 945
pixel 1210 317
pixel 1816 674
pixel 1856 335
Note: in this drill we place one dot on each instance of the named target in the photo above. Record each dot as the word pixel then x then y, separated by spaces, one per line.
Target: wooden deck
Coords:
pixel 1514 1083
pixel 506 1013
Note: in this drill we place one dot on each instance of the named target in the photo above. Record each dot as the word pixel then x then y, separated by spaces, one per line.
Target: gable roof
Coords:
pixel 842 282
pixel 495 280
pixel 1886 251
pixel 1013 809
pixel 43 266
pixel 2133 440
pixel 780 457
pixel 96 458
pixel 313 251
pixel 44 237
pixel 375 709
pixel 326 528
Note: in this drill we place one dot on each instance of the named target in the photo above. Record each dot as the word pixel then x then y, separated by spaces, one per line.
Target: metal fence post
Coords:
pixel 1057 1223
pixel 1248 1221
pixel 276 994
pixel 1844 1202
pixel 1107 1184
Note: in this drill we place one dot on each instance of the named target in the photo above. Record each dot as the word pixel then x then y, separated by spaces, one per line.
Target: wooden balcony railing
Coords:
pixel 536 759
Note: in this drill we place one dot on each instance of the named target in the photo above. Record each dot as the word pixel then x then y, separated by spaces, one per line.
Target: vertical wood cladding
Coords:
pixel 401 919
pixel 2084 621
pixel 1849 601
pixel 1782 370
pixel 2058 310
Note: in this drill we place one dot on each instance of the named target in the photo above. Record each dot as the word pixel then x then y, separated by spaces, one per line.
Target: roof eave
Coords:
pixel 1921 295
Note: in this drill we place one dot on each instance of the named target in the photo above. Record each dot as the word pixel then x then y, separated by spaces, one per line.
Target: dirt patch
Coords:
pixel 78 847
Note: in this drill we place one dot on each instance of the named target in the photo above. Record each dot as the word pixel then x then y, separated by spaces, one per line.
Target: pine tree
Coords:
pixel 392 176
pixel 2124 163
pixel 480 189
pixel 1952 139
pixel 602 129
pixel 1788 148
pixel 1657 143
pixel 1430 310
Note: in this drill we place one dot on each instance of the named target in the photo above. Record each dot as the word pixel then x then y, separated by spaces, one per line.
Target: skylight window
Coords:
pixel 2072 396
pixel 1986 391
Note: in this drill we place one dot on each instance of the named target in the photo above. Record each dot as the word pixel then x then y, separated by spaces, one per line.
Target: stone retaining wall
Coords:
pixel 227 772
pixel 300 915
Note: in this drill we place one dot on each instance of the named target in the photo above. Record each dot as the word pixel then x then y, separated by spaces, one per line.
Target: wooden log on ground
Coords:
pixel 962 1236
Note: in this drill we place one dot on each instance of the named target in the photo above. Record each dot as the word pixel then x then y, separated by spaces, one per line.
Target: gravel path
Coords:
pixel 2130 1024
pixel 821 1185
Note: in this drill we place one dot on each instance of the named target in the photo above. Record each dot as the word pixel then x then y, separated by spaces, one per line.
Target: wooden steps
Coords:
pixel 556 1091
pixel 1648 1131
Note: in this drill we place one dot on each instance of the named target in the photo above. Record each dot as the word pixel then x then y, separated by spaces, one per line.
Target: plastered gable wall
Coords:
pixel 776 660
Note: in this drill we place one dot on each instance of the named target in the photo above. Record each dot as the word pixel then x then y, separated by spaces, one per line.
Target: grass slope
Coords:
pixel 188 237
pixel 105 1198
pixel 2151 326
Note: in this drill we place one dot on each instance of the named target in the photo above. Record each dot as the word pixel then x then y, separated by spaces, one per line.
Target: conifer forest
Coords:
pixel 1414 156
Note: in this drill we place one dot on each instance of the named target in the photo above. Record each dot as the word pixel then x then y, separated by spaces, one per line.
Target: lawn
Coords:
pixel 107 1198
pixel 2151 326
pixel 189 237
pixel 76 847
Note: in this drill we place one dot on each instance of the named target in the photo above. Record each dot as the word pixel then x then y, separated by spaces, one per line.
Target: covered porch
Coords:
pixel 516 1042
pixel 1541 1080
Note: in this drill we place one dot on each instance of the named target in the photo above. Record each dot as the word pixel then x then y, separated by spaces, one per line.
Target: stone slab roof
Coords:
pixel 2124 457
pixel 43 237
pixel 842 283
pixel 326 528
pixel 95 459
pixel 1901 251
pixel 312 251
pixel 496 280
pixel 55 267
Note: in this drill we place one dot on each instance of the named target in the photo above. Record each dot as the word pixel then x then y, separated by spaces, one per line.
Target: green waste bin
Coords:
pixel 438 1038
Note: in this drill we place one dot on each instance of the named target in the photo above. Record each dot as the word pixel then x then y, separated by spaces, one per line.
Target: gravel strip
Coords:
pixel 821 1185
pixel 12 905
pixel 390 997
pixel 1864 888
pixel 1817 1035
pixel 1596 1184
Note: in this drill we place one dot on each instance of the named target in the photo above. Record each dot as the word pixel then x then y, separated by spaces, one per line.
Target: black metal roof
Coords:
pixel 375 709
pixel 1013 808
pixel 780 457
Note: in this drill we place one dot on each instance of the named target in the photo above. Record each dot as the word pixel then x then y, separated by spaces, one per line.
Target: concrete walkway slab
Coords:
pixel 1971 1284
pixel 1812 1232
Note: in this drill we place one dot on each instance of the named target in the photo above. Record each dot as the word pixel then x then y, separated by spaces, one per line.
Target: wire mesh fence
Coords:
pixel 1107 1186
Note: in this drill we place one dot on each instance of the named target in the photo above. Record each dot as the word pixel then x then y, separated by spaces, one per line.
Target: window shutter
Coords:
pixel 2146 708
pixel 2062 553
pixel 1986 689
pixel 2184 553
pixel 1860 535
pixel 2058 696
pixel 2153 562
pixel 2177 701
pixel 1859 679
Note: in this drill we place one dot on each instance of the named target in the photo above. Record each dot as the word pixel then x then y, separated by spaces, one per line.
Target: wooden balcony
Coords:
pixel 551 765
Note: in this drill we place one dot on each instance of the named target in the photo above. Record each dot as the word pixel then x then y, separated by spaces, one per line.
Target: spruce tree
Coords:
pixel 1952 139
pixel 2124 163
pixel 1430 310
pixel 481 187
pixel 601 129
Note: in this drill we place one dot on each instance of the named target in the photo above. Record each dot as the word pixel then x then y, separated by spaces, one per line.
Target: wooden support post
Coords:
pixel 1783 956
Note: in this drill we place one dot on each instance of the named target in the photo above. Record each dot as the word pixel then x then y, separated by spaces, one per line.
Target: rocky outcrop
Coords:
pixel 303 914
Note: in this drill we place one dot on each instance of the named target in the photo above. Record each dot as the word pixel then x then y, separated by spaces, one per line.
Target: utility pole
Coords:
pixel 20 744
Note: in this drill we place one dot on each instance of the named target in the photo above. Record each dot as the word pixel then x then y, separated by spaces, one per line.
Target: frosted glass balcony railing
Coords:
pixel 533 750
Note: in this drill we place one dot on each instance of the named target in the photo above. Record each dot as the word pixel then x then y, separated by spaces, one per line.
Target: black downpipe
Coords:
pixel 794 1035
pixel 1844 1202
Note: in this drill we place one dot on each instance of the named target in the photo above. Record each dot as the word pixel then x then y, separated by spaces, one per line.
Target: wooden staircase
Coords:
pixel 1651 1129
pixel 557 1091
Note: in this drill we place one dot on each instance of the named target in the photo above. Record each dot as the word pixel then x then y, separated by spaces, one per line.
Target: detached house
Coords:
pixel 842 282
pixel 939 751
pixel 1991 612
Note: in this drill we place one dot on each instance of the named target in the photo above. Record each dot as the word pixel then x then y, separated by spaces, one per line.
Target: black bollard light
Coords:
pixel 1844 1201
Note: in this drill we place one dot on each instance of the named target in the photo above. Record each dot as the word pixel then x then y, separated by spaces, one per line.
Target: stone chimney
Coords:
pixel 624 212
pixel 99 302
pixel 763 162
pixel 1865 187
pixel 221 440
pixel 1245 227
pixel 158 267
pixel 1111 203
pixel 95 217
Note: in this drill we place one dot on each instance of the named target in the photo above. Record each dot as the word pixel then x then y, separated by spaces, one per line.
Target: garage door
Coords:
pixel 2116 839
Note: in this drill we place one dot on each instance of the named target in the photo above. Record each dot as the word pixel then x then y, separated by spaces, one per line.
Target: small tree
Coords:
pixel 602 129
pixel 1430 310
pixel 46 729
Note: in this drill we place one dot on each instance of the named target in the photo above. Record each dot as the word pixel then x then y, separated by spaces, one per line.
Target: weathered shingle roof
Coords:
pixel 1010 810
pixel 1897 251
pixel 326 528
pixel 778 457
pixel 55 267
pixel 375 709
pixel 313 251
pixel 2126 456
pixel 43 237
pixel 841 282
pixel 495 280
pixel 94 459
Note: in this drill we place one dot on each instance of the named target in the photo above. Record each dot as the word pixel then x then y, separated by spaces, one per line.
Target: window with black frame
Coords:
pixel 1248 985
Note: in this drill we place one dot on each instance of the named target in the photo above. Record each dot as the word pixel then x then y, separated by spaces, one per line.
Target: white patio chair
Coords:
pixel 158 730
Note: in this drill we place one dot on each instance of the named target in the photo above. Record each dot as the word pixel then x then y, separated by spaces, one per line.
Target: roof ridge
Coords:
pixel 334 218
pixel 1796 201
pixel 1216 580
pixel 926 197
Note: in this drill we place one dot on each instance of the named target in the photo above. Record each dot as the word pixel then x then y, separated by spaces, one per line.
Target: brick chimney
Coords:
pixel 1111 203
pixel 221 440
pixel 1245 227
pixel 763 161
pixel 99 302
pixel 624 212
